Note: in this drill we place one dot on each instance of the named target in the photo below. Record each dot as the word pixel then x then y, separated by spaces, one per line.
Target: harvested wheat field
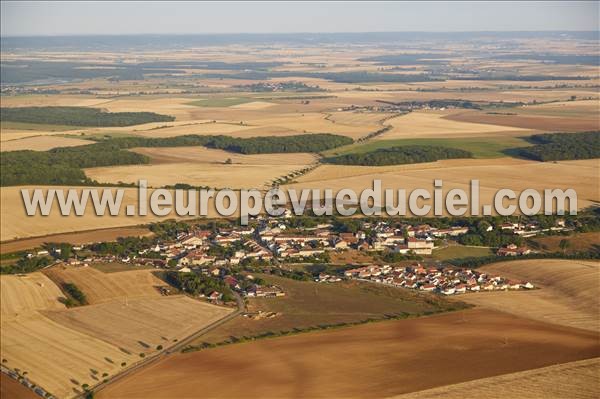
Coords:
pixel 315 122
pixel 200 166
pixel 201 127
pixel 493 175
pixel 582 108
pixel 370 119
pixel 83 237
pixel 422 124
pixel 576 380
pixel 534 122
pixel 55 357
pixel 167 105
pixel 203 155
pixel 205 175
pixel 23 295
pixel 40 100
pixel 140 325
pixel 102 287
pixel 61 349
pixel 42 143
pixel 16 130
pixel 569 291
pixel 15 224
pixel 449 348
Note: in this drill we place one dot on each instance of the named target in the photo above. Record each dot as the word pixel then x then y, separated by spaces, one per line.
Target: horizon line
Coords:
pixel 287 33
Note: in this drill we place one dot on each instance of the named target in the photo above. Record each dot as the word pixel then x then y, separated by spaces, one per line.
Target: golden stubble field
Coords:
pixel 493 175
pixel 200 166
pixel 576 380
pixel 436 124
pixel 567 116
pixel 569 291
pixel 62 349
pixel 41 143
pixel 51 353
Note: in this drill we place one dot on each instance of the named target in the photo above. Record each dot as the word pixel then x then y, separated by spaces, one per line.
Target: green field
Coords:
pixel 307 304
pixel 488 147
pixel 116 267
pixel 459 252
pixel 221 102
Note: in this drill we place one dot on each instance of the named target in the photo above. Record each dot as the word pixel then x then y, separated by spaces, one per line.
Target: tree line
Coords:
pixel 399 155
pixel 79 116
pixel 252 145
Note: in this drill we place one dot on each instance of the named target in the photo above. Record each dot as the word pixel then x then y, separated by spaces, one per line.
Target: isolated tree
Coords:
pixel 564 245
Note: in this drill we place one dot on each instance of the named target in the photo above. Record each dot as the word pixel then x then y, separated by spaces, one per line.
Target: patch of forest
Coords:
pixel 563 146
pixel 399 155
pixel 79 116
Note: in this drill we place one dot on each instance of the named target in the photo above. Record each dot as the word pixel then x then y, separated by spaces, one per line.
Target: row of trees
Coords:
pixel 75 297
pixel 563 146
pixel 26 265
pixel 399 155
pixel 79 116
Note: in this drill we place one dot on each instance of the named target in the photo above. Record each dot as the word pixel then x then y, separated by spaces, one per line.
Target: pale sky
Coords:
pixel 28 18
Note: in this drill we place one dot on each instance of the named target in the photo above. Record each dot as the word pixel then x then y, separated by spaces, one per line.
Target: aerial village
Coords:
pixel 276 242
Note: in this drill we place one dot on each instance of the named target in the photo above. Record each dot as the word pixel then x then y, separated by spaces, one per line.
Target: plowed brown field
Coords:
pixel 374 360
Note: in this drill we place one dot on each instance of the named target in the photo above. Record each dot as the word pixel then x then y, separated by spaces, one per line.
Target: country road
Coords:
pixel 176 347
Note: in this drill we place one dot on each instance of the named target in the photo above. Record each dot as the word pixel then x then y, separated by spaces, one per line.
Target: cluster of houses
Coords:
pixel 532 229
pixel 251 289
pixel 327 278
pixel 444 280
pixel 275 239
pixel 259 291
pixel 513 250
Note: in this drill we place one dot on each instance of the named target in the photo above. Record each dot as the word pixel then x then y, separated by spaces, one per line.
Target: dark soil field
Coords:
pixel 11 389
pixel 369 361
